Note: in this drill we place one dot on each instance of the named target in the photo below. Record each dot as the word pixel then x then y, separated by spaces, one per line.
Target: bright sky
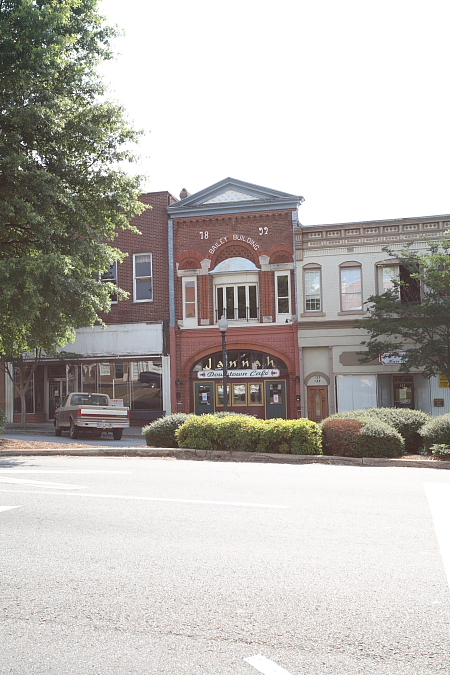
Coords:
pixel 345 102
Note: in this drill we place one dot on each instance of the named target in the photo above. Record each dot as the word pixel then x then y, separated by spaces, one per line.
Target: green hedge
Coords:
pixel 249 434
pixel 361 437
pixel 2 420
pixel 407 422
pixel 297 437
pixel 436 431
pixel 161 432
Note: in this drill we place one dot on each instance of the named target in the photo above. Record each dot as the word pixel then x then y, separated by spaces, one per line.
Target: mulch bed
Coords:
pixel 15 444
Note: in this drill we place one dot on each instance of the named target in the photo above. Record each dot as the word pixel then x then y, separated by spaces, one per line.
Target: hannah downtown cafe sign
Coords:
pixel 262 372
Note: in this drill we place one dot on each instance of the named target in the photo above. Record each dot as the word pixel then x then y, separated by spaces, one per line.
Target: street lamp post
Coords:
pixel 223 327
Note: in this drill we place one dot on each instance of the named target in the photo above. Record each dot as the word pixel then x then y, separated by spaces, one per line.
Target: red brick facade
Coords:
pixel 264 236
pixel 152 224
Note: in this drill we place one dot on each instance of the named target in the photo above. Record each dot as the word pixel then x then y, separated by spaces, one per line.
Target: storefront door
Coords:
pixel 403 391
pixel 275 399
pixel 204 398
pixel 56 393
pixel 317 403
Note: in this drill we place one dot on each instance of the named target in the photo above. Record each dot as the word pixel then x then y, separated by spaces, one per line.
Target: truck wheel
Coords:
pixel 117 434
pixel 58 430
pixel 74 431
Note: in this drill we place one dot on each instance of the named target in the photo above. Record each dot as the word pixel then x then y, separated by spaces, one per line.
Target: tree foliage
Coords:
pixel 63 192
pixel 399 319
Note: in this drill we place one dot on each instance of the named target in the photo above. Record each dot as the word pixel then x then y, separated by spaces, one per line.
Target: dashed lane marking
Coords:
pixel 155 499
pixel 6 508
pixel 39 483
pixel 266 666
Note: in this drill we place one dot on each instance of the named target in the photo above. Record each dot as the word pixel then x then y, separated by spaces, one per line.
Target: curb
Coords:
pixel 227 456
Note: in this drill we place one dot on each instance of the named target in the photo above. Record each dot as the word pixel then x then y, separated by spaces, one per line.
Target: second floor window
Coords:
pixel 111 276
pixel 189 301
pixel 313 301
pixel 238 302
pixel 409 288
pixel 283 294
pixel 143 281
pixel 351 289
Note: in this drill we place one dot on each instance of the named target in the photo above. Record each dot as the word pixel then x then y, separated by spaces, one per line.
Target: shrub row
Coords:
pixel 361 437
pixel 250 434
pixel 436 431
pixel 407 422
pixel 161 432
pixel 372 432
pixel 2 420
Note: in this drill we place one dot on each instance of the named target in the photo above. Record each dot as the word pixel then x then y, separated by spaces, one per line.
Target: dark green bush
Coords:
pixel 436 431
pixel 297 437
pixel 407 422
pixel 361 437
pixel 161 432
pixel 249 434
pixel 224 432
pixel 2 420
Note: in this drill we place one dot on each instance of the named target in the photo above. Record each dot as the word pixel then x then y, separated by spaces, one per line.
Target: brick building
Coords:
pixel 233 255
pixel 129 359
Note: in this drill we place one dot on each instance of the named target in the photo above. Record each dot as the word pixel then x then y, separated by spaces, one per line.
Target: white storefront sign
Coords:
pixel 392 358
pixel 211 374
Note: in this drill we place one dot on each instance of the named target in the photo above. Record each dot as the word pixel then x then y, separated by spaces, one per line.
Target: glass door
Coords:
pixel 204 397
pixel 56 393
pixel 275 399
pixel 403 391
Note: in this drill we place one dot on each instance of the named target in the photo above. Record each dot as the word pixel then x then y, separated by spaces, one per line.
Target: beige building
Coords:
pixel 338 267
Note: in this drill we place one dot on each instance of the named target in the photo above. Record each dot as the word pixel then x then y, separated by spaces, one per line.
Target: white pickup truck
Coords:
pixel 83 411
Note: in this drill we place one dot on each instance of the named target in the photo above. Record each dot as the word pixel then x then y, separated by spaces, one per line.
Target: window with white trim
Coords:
pixel 351 287
pixel 283 295
pixel 239 302
pixel 111 277
pixel 312 284
pixel 409 289
pixel 189 301
pixel 143 281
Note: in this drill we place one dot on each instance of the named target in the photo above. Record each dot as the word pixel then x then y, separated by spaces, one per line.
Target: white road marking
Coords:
pixel 266 666
pixel 438 495
pixel 6 508
pixel 77 471
pixel 40 483
pixel 154 499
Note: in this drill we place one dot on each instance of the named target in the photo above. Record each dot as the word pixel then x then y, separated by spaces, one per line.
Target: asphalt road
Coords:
pixel 160 566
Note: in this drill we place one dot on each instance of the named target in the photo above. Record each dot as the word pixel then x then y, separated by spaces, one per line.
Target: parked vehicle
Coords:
pixel 83 411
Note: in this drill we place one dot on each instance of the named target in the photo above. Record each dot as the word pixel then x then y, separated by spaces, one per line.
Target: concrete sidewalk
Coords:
pixel 48 429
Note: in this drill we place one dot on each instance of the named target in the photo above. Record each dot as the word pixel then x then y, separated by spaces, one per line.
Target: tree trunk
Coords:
pixel 23 409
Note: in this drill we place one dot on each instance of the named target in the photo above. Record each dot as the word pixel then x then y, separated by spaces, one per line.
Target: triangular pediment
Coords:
pixel 232 195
